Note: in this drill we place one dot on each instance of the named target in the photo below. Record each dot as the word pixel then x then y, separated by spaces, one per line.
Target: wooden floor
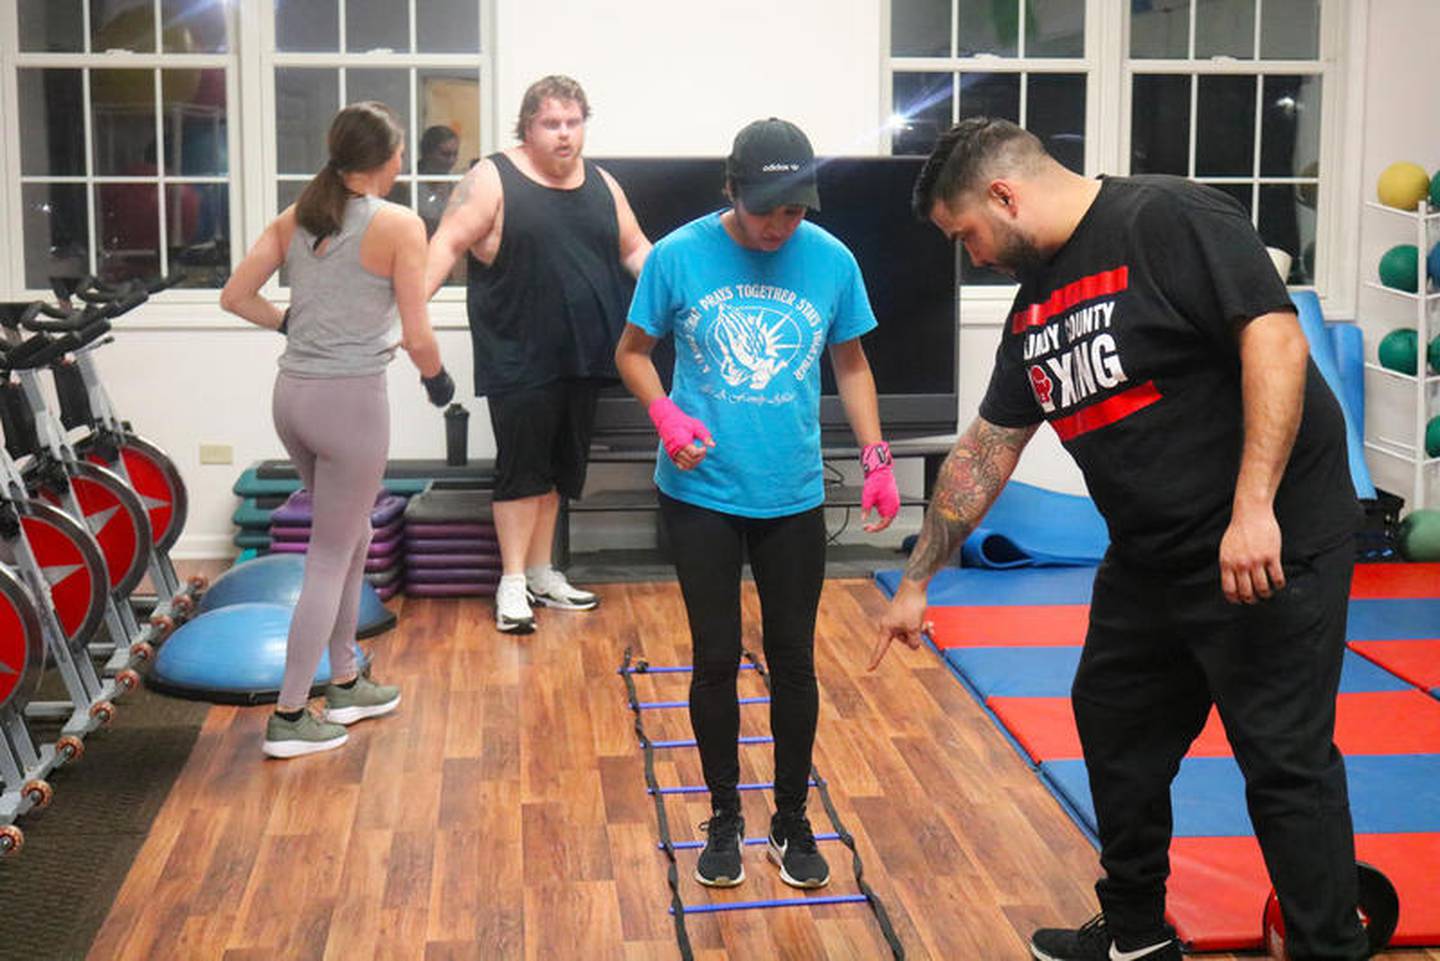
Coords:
pixel 501 811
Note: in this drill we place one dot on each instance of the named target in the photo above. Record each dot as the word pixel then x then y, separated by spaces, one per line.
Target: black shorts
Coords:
pixel 542 438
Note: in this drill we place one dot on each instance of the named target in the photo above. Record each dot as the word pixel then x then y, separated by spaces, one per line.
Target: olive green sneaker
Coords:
pixel 365 698
pixel 307 735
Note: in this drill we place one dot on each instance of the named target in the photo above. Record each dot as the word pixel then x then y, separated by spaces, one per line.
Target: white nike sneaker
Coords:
pixel 1092 942
pixel 512 607
pixel 549 588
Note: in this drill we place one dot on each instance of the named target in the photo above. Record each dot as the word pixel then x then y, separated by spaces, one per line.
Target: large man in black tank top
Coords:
pixel 1152 334
pixel 546 235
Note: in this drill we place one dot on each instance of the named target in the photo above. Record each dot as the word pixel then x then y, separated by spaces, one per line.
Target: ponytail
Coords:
pixel 321 207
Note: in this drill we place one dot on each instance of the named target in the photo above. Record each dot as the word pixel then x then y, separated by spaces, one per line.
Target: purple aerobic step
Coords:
pixel 449 590
pixel 299 509
pixel 382 578
pixel 387 591
pixel 452 575
pixel 452 560
pixel 460 545
pixel 301 532
pixel 387 552
pixel 449 530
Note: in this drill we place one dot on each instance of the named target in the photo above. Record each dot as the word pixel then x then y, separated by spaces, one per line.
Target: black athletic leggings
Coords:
pixel 787 558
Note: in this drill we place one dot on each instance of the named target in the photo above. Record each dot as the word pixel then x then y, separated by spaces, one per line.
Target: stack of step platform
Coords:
pixel 290 534
pixel 450 545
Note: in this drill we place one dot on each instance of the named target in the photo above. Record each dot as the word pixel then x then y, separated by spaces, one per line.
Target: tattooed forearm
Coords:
pixel 970 480
pixel 463 190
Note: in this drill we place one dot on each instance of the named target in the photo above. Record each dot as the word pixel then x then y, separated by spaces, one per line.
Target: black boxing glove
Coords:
pixel 440 388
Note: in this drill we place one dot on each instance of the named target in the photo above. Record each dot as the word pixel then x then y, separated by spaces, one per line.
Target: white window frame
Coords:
pixel 12 273
pixel 1109 70
pixel 249 97
pixel 263 197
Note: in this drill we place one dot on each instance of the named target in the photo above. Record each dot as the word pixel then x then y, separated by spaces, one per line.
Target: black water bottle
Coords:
pixel 457 432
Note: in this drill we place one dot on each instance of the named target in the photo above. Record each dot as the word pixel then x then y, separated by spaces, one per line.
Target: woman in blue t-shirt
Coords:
pixel 751 295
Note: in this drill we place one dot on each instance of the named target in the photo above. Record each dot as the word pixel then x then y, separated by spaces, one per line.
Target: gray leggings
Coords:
pixel 337 431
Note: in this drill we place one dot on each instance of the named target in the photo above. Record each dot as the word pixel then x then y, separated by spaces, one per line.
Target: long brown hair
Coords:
pixel 362 136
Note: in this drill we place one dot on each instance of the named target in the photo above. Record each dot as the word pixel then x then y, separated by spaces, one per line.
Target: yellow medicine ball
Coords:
pixel 1402 185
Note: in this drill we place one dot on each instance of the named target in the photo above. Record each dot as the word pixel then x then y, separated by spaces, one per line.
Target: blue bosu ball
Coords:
pixel 276 579
pixel 233 653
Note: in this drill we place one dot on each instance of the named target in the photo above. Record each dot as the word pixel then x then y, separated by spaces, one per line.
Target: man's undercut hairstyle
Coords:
pixel 554 87
pixel 971 154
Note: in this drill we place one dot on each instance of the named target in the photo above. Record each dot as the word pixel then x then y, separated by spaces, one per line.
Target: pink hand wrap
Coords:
pixel 880 490
pixel 677 429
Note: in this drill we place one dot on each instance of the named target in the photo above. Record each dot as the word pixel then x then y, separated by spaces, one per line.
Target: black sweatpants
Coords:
pixel 1159 652
pixel 787 559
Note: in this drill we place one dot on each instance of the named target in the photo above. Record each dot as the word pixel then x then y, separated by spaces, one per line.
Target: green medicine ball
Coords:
pixel 1432 354
pixel 1399 350
pixel 1435 190
pixel 1432 438
pixel 1400 268
pixel 1420 536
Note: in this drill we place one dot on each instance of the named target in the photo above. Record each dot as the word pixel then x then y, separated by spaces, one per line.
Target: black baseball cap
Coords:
pixel 773 165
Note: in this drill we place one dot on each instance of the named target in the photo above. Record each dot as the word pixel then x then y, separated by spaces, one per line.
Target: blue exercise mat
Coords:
pixel 1029 526
pixel 1394 619
pixel 1322 349
pixel 1389 794
pixel 972 587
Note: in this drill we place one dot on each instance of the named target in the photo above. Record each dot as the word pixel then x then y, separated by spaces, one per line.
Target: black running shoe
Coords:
pixel 1092 942
pixel 792 847
pixel 720 864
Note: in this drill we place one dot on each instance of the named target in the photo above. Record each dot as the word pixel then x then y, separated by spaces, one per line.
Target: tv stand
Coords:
pixel 585 567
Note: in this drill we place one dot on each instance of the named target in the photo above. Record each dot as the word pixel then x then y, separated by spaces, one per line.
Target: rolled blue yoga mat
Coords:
pixel 1029 526
pixel 1322 349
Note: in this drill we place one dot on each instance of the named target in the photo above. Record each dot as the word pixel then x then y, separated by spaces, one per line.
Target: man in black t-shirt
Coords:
pixel 1152 333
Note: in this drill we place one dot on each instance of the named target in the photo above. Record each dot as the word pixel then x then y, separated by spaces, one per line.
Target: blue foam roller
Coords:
pixel 1312 322
pixel 1348 340
pixel 276 579
pixel 235 652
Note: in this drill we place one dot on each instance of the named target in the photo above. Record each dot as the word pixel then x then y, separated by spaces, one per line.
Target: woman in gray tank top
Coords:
pixel 355 261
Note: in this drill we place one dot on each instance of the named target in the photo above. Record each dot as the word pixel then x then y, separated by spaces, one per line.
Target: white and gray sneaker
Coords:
pixel 512 607
pixel 549 588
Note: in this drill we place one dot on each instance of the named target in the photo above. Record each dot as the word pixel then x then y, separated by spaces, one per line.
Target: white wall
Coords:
pixel 676 77
pixel 1400 123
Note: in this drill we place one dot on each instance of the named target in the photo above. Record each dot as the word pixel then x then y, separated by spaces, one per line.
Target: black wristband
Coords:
pixel 284 327
pixel 440 388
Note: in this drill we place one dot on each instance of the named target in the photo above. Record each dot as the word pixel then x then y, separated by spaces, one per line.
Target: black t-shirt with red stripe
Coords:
pixel 1125 342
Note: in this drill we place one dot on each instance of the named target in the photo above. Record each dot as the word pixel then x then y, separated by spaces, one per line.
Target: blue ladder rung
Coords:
pixel 700 788
pixel 661 705
pixel 782 903
pixel 692 742
pixel 692 845
pixel 674 669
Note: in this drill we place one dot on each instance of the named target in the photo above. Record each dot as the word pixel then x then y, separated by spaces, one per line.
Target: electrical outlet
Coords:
pixel 217 454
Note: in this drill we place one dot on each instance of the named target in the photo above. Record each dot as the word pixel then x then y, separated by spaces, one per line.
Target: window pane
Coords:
pixel 449 99
pixel 51 26
pixel 127 217
pixel 1288 223
pixel 400 194
pixel 990 95
pixel 1290 126
pixel 57 238
pixel 988 26
pixel 194 128
pixel 376 24
pixel 1225 28
pixel 1159 29
pixel 197 219
pixel 1055 112
pixel 122 25
pixel 920 28
pixel 1160 124
pixel 54 143
pixel 434 195
pixel 307 26
pixel 287 192
pixel 122 104
pixel 923 106
pixel 447 26
pixel 1225 127
pixel 1290 30
pixel 305 103
pixel 193 26
pixel 392 88
pixel 1055 29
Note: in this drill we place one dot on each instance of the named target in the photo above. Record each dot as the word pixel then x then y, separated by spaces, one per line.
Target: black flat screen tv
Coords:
pixel 908 266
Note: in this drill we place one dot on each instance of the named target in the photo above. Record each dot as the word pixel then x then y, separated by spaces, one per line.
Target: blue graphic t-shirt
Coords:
pixel 749 326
